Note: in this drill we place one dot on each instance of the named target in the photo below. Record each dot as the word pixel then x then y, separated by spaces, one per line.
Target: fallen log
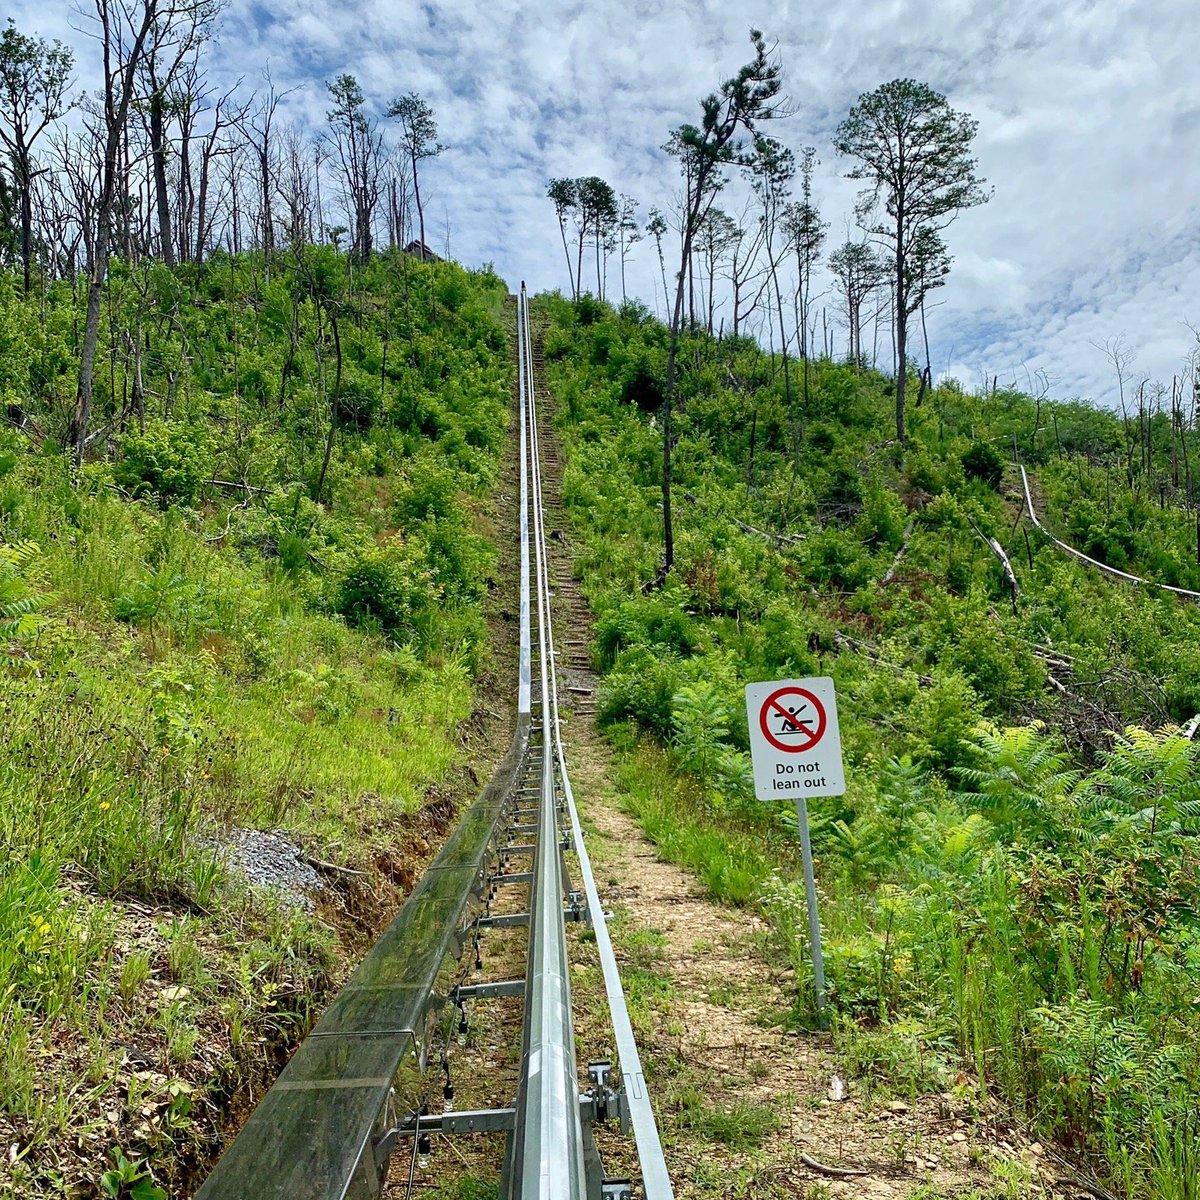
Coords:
pixel 998 550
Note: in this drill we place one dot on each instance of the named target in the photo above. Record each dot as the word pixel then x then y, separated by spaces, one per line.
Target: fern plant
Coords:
pixel 1022 783
pixel 1152 778
pixel 701 719
pixel 20 602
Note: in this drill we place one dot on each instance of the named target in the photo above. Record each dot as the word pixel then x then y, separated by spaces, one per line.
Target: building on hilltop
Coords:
pixel 422 251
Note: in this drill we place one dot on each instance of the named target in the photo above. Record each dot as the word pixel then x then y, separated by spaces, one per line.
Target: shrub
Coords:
pixel 169 460
pixel 983 463
pixel 356 403
pixel 646 621
pixel 589 310
pixel 387 586
pixel 430 490
pixel 642 688
pixel 642 386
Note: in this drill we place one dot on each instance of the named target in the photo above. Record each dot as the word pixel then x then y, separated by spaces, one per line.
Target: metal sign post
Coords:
pixel 796 746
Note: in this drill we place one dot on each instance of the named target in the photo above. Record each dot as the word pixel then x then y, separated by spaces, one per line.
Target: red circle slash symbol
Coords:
pixel 792 719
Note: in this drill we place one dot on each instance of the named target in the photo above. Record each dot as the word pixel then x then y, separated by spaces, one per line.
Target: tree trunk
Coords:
pixel 26 183
pixel 691 293
pixel 115 112
pixel 337 388
pixel 91 333
pixel 901 319
pixel 268 226
pixel 562 229
pixel 417 198
pixel 202 203
pixel 158 153
pixel 186 196
pixel 579 261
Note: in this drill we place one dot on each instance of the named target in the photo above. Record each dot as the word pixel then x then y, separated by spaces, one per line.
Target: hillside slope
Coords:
pixel 239 644
pixel 1009 884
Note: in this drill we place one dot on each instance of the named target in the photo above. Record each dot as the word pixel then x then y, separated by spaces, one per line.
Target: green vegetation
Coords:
pixel 258 604
pixel 1010 881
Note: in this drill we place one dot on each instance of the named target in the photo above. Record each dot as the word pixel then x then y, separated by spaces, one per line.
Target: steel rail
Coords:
pixel 656 1182
pixel 547 1155
pixel 524 682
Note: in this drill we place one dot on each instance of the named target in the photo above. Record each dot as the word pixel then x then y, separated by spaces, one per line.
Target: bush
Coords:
pixel 589 310
pixel 983 463
pixel 643 387
pixel 169 460
pixel 357 403
pixel 641 688
pixel 390 587
pixel 647 621
pixel 430 490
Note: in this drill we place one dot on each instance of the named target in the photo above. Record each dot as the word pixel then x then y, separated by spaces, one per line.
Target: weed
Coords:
pixel 135 971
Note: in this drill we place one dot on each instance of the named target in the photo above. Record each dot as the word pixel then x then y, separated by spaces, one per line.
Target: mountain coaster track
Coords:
pixel 357 1088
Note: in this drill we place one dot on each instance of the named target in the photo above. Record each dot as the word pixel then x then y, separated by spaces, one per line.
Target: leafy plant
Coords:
pixel 130 1179
pixel 168 460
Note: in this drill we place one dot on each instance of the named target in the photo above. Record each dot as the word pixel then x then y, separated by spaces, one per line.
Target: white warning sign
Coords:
pixel 795 744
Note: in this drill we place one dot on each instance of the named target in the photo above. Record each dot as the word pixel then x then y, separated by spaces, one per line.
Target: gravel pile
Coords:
pixel 269 860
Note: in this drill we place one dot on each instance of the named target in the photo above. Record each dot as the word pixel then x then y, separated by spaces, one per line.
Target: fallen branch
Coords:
pixel 833 1172
pixel 873 653
pixel 891 571
pixel 241 487
pixel 220 537
pixel 780 539
pixel 998 550
pixel 1136 580
pixel 332 868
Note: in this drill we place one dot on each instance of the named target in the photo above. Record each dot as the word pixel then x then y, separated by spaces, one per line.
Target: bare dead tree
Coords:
pixel 75 191
pixel 747 275
pixel 258 127
pixel 171 55
pixel 716 238
pixel 125 29
pixel 218 113
pixel 397 189
pixel 296 185
pixel 217 144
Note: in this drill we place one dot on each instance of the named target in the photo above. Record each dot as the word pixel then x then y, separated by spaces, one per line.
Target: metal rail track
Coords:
pixel 356 1087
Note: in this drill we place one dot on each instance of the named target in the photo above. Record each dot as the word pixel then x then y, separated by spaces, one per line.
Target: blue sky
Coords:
pixel 1089 132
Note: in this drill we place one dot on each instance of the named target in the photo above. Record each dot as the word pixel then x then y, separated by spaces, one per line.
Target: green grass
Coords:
pixel 723 855
pixel 737 1125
